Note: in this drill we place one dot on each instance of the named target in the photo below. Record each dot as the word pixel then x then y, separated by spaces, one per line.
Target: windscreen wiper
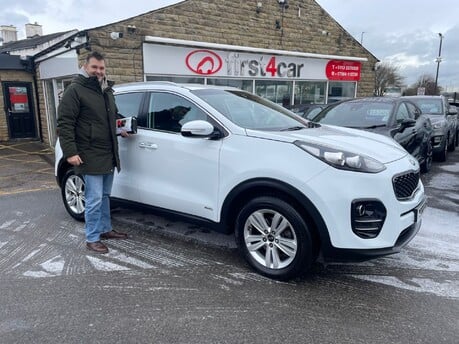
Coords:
pixel 293 128
pixel 375 126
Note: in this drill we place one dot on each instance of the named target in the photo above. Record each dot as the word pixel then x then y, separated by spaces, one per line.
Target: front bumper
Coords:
pixel 333 254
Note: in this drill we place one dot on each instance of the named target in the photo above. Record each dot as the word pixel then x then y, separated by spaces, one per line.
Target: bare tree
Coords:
pixel 387 74
pixel 425 81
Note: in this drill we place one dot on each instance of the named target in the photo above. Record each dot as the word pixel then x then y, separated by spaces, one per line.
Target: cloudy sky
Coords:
pixel 404 32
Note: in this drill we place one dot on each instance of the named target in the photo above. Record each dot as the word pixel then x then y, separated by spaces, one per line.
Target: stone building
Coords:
pixel 19 117
pixel 17 90
pixel 292 52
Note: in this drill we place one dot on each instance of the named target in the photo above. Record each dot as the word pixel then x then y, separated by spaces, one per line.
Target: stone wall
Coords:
pixel 17 76
pixel 306 27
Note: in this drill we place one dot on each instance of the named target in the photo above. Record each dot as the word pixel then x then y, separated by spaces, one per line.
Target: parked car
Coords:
pixel 289 189
pixel 454 108
pixel 444 122
pixel 309 111
pixel 394 117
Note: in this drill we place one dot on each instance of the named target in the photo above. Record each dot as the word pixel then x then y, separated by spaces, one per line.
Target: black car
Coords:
pixel 443 118
pixel 398 118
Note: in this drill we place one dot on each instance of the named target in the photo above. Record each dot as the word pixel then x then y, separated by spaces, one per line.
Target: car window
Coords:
pixel 169 112
pixel 402 113
pixel 313 112
pixel 128 104
pixel 431 106
pixel 356 114
pixel 413 110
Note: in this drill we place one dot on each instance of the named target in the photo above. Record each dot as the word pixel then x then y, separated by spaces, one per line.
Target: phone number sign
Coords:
pixel 343 70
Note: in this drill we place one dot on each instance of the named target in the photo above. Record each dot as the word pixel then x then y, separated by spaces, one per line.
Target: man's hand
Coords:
pixel 124 133
pixel 74 160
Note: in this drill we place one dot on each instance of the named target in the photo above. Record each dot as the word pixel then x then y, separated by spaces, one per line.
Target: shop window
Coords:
pixel 246 85
pixel 340 90
pixel 309 92
pixel 54 89
pixel 177 79
pixel 279 92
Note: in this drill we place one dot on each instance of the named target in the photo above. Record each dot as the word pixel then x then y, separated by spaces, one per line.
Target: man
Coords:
pixel 87 135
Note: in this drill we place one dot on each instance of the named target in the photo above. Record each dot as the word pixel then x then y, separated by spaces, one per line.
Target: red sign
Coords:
pixel 343 70
pixel 204 62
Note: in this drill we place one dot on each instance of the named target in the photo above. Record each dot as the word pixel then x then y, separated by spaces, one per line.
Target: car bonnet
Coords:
pixel 379 147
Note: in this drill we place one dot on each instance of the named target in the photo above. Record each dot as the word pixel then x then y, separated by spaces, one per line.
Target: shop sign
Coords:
pixel 206 62
pixel 343 70
pixel 203 62
pixel 173 60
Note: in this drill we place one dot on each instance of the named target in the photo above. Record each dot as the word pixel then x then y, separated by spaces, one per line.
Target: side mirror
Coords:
pixel 199 128
pixel 407 123
pixel 452 110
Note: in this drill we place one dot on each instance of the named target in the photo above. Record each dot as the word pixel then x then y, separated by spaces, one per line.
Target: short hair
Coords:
pixel 94 54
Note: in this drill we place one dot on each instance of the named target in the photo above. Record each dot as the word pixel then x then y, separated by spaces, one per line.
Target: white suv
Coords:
pixel 289 189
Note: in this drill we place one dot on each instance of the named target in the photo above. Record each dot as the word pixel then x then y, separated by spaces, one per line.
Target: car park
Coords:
pixel 290 190
pixel 444 122
pixel 394 117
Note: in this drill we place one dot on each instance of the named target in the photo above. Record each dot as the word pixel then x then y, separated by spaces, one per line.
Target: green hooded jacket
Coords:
pixel 87 125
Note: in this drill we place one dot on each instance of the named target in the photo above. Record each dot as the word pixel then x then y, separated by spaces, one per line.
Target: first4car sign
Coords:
pixel 162 59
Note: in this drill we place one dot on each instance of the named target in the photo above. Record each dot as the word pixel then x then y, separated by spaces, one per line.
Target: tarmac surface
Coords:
pixel 25 166
pixel 165 285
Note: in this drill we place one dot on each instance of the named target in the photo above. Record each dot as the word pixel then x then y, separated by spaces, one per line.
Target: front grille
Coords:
pixel 405 184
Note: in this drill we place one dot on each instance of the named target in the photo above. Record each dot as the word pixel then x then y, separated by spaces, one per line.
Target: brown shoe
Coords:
pixel 97 247
pixel 113 235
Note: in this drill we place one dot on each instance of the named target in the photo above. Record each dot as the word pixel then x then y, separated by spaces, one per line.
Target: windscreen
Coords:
pixel 356 114
pixel 250 111
pixel 429 106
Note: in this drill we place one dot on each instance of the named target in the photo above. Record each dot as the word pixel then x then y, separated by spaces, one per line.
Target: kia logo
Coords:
pixel 204 62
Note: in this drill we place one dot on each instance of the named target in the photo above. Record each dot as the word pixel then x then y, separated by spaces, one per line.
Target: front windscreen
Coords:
pixel 250 111
pixel 356 114
pixel 430 106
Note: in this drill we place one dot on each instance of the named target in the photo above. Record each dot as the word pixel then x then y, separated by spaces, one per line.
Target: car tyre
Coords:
pixel 72 191
pixel 274 238
pixel 427 163
pixel 452 146
pixel 441 156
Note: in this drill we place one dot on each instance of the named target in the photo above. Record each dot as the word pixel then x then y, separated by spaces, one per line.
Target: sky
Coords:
pixel 401 32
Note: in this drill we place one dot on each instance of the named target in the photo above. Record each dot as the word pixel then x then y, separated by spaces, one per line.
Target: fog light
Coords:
pixel 367 218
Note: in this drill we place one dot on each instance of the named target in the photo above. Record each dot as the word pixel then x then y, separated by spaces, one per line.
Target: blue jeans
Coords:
pixel 97 191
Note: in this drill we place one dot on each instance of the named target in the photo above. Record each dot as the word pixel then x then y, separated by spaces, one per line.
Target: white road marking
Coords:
pixel 102 265
pixel 449 289
pixel 7 224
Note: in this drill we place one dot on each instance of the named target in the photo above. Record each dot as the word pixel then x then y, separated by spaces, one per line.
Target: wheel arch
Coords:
pixel 265 187
pixel 62 168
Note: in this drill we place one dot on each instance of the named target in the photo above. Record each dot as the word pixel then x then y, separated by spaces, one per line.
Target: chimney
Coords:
pixel 33 30
pixel 8 33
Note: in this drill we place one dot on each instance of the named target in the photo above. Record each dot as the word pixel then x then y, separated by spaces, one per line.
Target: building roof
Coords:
pixel 31 42
pixel 11 62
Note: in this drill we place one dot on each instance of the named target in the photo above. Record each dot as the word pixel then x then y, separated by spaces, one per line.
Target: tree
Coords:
pixel 425 81
pixel 387 74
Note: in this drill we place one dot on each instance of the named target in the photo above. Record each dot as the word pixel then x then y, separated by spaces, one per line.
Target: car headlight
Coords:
pixel 437 125
pixel 342 159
